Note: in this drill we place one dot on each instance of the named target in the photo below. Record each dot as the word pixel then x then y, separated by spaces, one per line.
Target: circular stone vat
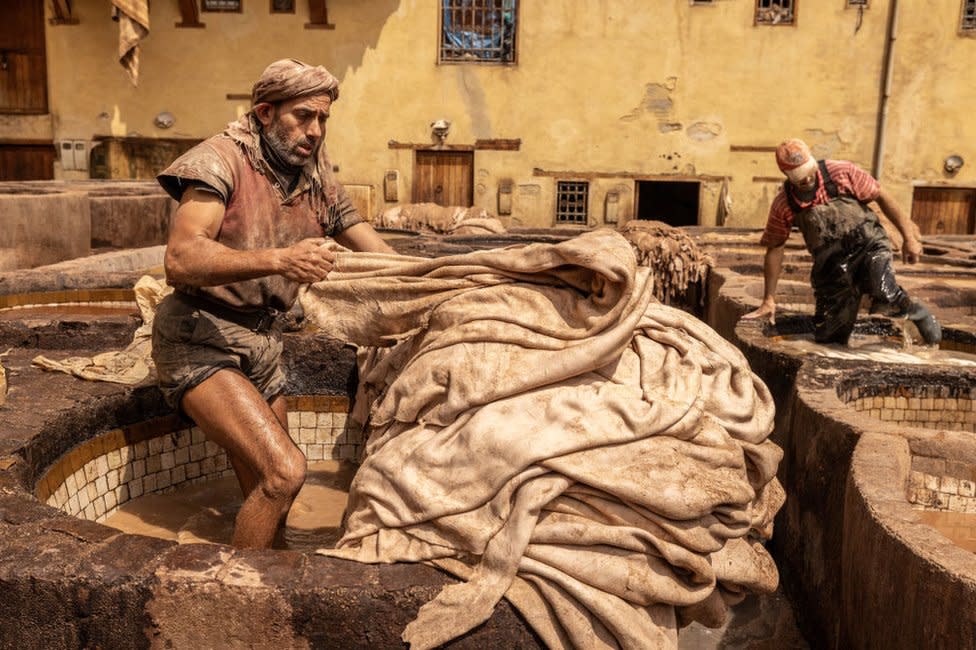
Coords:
pixel 792 334
pixel 929 401
pixel 72 451
pixel 905 584
pixel 790 271
pixel 160 455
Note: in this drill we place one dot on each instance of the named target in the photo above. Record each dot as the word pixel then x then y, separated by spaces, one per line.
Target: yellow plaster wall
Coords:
pixel 930 113
pixel 625 89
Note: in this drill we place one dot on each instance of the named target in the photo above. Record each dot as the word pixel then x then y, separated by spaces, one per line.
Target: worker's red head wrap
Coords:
pixel 794 159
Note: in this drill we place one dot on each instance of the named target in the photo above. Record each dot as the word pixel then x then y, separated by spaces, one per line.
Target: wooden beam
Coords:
pixel 26 143
pixel 62 13
pixel 429 146
pixel 497 144
pixel 640 176
pixel 190 14
pixel 318 14
pixel 756 148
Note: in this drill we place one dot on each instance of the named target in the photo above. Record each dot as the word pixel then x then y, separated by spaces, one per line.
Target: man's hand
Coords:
pixel 310 260
pixel 766 310
pixel 911 250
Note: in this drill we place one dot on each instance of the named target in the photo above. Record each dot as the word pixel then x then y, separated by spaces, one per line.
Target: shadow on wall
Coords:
pixel 368 19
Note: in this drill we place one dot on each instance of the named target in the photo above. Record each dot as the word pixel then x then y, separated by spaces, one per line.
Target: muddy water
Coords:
pixel 870 347
pixel 205 512
pixel 958 527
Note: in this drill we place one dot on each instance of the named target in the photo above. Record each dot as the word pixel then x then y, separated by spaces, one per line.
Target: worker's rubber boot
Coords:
pixel 927 326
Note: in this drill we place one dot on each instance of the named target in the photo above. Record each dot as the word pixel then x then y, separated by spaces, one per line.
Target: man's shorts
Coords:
pixel 191 344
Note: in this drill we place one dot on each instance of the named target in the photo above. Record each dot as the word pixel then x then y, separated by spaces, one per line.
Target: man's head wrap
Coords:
pixel 795 160
pixel 280 81
pixel 288 78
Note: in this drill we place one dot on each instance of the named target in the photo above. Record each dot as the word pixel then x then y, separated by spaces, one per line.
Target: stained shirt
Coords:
pixel 849 179
pixel 257 215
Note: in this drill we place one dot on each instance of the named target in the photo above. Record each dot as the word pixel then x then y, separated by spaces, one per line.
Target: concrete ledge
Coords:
pixel 71 583
pixel 41 229
pixel 904 584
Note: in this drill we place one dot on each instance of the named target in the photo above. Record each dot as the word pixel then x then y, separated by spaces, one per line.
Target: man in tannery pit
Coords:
pixel 827 201
pixel 256 204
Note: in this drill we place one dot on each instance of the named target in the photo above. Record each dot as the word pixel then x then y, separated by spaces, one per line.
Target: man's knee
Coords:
pixel 286 478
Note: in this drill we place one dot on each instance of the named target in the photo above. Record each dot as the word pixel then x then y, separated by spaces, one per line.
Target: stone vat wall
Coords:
pixel 904 584
pixel 49 221
pixel 161 455
pixel 44 228
pixel 67 582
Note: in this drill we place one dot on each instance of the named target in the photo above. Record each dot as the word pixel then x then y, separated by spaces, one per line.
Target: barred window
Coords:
pixel 775 12
pixel 968 16
pixel 282 6
pixel 857 3
pixel 221 5
pixel 572 198
pixel 478 30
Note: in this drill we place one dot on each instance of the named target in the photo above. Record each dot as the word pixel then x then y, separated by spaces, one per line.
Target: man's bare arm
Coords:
pixel 911 248
pixel 195 258
pixel 362 237
pixel 772 267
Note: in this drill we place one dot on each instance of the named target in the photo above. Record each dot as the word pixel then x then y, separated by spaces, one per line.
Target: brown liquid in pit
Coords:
pixel 958 527
pixel 205 512
pixel 869 347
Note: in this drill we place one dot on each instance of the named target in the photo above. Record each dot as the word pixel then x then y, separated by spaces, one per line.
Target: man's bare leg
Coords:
pixel 246 478
pixel 233 414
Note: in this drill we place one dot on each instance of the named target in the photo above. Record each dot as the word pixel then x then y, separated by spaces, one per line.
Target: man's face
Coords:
pixel 806 183
pixel 296 127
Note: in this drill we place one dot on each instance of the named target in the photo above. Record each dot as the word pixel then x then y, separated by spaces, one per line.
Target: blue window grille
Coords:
pixel 478 30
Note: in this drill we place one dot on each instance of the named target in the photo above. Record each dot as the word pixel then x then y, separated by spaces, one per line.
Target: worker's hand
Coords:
pixel 766 310
pixel 310 260
pixel 911 250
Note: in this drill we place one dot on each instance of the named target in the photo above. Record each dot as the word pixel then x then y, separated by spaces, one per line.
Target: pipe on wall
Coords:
pixel 887 70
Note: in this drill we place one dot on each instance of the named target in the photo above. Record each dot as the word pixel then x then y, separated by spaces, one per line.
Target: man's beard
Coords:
pixel 286 150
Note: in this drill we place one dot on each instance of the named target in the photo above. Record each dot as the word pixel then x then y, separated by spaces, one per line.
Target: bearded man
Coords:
pixel 827 200
pixel 256 204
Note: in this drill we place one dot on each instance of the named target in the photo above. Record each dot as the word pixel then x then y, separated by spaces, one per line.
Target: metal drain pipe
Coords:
pixel 887 70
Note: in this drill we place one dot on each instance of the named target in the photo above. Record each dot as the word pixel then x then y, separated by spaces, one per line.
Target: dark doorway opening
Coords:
pixel 672 202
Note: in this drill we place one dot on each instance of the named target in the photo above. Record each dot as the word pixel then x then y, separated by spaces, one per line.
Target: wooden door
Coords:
pixel 23 67
pixel 444 177
pixel 26 162
pixel 944 210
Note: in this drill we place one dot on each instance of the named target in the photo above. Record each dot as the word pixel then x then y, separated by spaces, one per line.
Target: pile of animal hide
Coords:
pixel 540 426
pixel 433 218
pixel 675 260
pixel 128 366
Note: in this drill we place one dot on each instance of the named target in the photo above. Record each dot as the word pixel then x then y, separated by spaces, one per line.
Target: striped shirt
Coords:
pixel 849 179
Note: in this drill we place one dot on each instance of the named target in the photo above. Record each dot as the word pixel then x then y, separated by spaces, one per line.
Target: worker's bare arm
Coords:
pixel 772 267
pixel 194 257
pixel 362 237
pixel 911 248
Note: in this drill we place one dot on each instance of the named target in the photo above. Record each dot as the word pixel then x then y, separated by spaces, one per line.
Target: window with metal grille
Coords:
pixel 282 6
pixel 478 30
pixel 968 16
pixel 220 5
pixel 775 12
pixel 857 3
pixel 572 198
